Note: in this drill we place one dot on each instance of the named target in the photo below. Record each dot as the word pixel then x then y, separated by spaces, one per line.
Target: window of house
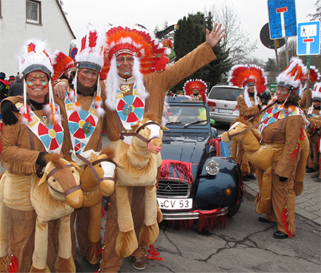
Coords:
pixel 33 12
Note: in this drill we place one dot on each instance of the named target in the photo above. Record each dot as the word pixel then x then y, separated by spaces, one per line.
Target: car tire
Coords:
pixel 235 208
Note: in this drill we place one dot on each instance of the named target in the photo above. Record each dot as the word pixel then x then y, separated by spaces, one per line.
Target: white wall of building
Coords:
pixel 14 31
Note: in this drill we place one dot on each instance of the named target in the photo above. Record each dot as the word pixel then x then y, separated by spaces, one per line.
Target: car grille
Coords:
pixel 170 188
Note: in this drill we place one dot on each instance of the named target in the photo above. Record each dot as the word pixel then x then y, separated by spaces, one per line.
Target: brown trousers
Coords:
pixel 282 196
pixel 111 262
pixel 21 234
pixel 313 159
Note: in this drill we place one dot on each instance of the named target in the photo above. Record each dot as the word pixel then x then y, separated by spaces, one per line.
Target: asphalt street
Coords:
pixel 245 244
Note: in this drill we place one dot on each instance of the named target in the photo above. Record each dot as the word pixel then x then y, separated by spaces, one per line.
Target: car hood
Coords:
pixel 183 147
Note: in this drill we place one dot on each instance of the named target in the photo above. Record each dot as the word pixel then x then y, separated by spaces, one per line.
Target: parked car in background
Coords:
pixel 196 183
pixel 222 103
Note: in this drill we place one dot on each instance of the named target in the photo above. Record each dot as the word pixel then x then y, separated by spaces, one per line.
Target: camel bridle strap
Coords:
pixel 262 111
pixel 256 125
pixel 92 168
pixel 67 192
pixel 248 129
pixel 136 134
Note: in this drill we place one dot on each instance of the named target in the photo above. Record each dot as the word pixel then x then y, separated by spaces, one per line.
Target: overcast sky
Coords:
pixel 253 14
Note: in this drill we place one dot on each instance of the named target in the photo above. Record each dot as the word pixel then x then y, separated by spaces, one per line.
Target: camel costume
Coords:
pixel 313 131
pixel 22 144
pixel 283 126
pixel 249 105
pixel 314 76
pixel 137 89
pixel 83 133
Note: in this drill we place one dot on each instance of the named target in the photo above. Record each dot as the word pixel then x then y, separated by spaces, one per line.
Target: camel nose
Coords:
pixel 75 199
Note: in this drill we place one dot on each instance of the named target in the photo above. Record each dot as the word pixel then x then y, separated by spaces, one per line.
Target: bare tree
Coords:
pixel 237 40
pixel 317 14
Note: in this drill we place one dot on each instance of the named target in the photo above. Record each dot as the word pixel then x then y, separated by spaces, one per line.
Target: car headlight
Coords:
pixel 212 167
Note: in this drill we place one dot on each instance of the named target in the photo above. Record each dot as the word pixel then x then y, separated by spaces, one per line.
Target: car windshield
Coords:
pixel 225 93
pixel 186 115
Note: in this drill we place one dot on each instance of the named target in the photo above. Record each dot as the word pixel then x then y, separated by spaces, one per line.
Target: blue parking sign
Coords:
pixel 308 38
pixel 282 18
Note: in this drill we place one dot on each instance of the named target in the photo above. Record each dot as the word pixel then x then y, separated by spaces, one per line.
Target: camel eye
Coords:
pixel 99 165
pixel 53 180
pixel 72 171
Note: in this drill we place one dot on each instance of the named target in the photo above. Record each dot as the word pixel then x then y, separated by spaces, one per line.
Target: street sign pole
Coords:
pixel 308 83
pixel 276 56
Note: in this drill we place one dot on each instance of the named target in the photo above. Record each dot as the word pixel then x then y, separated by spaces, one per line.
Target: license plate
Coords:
pixel 225 111
pixel 165 203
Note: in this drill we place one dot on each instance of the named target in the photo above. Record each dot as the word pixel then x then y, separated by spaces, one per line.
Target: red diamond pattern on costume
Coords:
pixel 132 117
pixel 79 133
pixel 74 117
pixel 121 105
pixel 77 147
pixel 54 144
pixel 42 129
pixel 138 103
pixel 91 120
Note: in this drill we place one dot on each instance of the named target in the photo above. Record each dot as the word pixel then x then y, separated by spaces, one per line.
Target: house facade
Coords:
pixel 21 20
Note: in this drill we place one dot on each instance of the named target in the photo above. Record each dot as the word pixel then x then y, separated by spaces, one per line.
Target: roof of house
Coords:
pixel 63 14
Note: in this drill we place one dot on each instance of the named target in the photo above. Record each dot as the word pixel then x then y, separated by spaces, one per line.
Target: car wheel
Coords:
pixel 235 208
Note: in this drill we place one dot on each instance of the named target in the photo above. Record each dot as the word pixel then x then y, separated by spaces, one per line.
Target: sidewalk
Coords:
pixel 308 204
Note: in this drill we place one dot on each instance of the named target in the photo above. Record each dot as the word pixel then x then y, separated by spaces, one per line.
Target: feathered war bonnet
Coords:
pixel 147 51
pixel 290 77
pixel 91 56
pixel 316 93
pixel 244 75
pixel 314 77
pixel 61 63
pixel 35 57
pixel 200 85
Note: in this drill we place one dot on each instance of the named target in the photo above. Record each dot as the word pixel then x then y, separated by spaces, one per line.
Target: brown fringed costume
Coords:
pixel 20 161
pixel 157 85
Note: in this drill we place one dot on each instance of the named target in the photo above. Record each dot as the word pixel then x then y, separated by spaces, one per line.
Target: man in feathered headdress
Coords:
pixel 82 109
pixel 132 88
pixel 282 128
pixel 196 89
pixel 252 79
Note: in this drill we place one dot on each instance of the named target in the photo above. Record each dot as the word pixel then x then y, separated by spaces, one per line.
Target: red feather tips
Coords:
pixel 31 47
pixel 83 43
pixel 284 216
pixel 239 75
pixel 184 170
pixel 13 265
pixel 102 212
pixel 61 63
pixel 92 40
pixel 162 63
pixel 153 254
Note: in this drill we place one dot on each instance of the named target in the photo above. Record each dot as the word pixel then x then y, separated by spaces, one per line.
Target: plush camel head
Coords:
pixel 63 180
pixel 237 127
pixel 151 133
pixel 100 171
